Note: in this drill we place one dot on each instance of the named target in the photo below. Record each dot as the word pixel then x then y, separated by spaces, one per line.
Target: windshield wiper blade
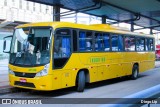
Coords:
pixel 19 55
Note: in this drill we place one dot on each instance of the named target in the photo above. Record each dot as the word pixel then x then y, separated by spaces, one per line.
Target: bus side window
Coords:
pixel 85 41
pixel 106 39
pixel 89 43
pixel 82 41
pixel 129 43
pixel 62 47
pixel 99 45
pixel 120 43
pixel 114 42
pixel 149 45
pixel 140 44
pixel 74 33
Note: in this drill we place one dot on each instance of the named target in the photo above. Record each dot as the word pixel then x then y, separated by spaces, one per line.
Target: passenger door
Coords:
pixel 61 54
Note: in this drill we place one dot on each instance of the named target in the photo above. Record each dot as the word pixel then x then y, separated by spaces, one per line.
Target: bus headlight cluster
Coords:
pixel 10 71
pixel 43 72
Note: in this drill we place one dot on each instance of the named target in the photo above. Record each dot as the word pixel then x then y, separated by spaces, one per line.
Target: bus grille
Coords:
pixel 18 83
pixel 27 75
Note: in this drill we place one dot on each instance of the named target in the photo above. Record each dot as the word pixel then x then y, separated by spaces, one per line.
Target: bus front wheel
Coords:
pixel 135 71
pixel 81 81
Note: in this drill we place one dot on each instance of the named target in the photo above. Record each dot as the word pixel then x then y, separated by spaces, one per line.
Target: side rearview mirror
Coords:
pixel 7 44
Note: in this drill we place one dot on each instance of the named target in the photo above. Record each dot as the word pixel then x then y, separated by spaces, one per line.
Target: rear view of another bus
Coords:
pixel 157 52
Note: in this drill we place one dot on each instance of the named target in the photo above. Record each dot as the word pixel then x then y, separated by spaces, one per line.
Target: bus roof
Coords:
pixel 95 27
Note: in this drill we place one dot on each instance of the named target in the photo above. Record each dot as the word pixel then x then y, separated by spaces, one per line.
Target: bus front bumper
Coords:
pixel 36 83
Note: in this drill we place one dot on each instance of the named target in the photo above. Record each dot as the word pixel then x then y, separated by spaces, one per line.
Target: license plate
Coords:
pixel 23 80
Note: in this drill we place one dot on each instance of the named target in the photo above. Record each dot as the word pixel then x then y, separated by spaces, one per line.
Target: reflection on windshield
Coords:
pixel 31 46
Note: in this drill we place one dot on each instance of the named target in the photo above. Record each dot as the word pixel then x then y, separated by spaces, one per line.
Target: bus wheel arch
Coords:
pixel 135 71
pixel 81 79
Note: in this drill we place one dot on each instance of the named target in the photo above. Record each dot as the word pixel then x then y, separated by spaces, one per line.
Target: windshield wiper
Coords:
pixel 24 58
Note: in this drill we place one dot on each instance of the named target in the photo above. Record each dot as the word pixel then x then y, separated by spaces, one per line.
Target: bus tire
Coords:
pixel 81 81
pixel 135 72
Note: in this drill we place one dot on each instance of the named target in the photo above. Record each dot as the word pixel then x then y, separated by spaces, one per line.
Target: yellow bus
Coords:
pixel 56 55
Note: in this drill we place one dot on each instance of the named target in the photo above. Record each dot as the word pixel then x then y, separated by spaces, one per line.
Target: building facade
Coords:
pixel 24 11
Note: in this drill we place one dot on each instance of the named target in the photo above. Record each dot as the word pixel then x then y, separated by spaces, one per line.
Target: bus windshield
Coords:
pixel 31 46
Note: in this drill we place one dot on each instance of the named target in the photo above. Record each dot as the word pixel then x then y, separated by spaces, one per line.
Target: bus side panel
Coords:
pixel 101 66
pixel 75 64
pixel 127 68
pixel 108 64
pixel 151 60
pixel 67 78
pixel 113 65
pixel 147 61
pixel 57 80
pixel 142 57
pixel 68 73
pixel 116 65
pixel 94 65
pixel 102 72
pixel 130 58
pixel 107 72
pixel 93 74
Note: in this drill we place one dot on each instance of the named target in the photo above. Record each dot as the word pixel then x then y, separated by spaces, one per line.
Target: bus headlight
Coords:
pixel 43 72
pixel 11 72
